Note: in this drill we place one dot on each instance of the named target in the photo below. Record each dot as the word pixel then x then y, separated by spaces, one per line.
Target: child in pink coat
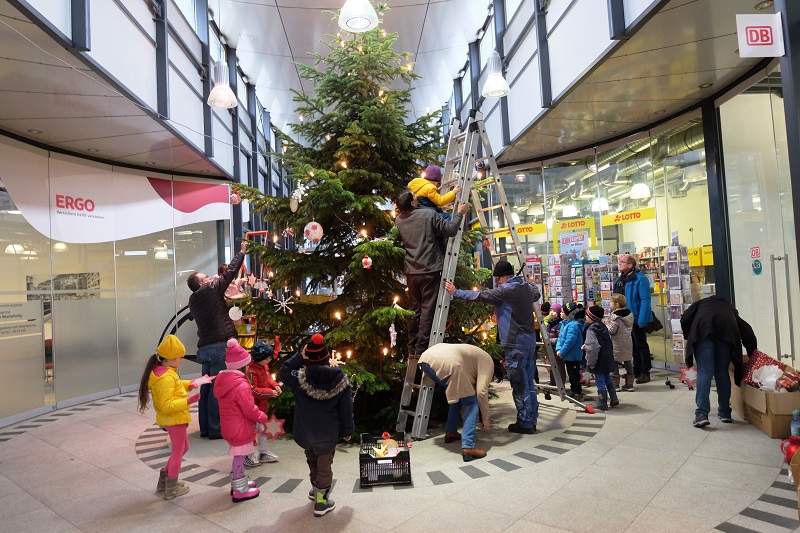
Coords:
pixel 238 416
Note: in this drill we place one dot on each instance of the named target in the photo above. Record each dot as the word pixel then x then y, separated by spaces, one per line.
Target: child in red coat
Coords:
pixel 238 416
pixel 264 388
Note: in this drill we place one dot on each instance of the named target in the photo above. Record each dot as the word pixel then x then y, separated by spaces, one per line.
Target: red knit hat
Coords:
pixel 235 356
pixel 317 350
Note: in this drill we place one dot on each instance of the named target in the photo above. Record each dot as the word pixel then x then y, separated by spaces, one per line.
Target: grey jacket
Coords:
pixel 620 330
pixel 418 229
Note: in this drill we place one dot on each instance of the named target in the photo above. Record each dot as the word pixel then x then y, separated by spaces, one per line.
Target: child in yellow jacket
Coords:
pixel 426 189
pixel 171 403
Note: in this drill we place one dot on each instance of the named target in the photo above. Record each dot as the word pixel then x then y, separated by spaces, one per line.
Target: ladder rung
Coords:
pixel 504 254
pixel 480 159
pixel 501 230
pixel 455 159
pixel 491 208
pixel 460 136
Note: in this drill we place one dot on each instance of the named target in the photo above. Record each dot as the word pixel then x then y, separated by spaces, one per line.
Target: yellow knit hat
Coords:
pixel 171 348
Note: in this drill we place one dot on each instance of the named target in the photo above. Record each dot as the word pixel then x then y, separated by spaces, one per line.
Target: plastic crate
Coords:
pixel 384 470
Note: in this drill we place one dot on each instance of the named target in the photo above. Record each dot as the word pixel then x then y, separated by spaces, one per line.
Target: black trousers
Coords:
pixel 641 352
pixel 574 372
pixel 422 292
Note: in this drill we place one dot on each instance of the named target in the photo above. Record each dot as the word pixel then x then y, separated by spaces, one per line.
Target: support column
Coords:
pixel 499 33
pixel 475 71
pixel 790 80
pixel 201 20
pixel 543 54
pixel 718 202
pixel 230 57
pixel 162 59
pixel 81 27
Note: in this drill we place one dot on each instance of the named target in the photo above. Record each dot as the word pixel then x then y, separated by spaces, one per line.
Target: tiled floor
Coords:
pixel 640 467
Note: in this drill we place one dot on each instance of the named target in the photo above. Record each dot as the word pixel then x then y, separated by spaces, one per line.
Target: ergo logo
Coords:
pixel 759 35
pixel 68 202
pixel 633 215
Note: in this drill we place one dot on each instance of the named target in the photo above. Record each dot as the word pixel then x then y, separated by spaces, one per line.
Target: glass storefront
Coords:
pixel 760 214
pixel 82 309
pixel 646 195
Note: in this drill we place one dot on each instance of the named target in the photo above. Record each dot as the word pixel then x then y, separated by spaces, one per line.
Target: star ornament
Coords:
pixel 689 376
pixel 251 279
pixel 274 427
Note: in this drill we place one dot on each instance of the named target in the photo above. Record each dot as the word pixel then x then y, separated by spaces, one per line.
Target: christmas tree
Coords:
pixel 352 151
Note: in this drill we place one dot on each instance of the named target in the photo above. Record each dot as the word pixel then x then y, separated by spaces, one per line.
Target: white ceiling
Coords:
pixel 690 42
pixel 270 35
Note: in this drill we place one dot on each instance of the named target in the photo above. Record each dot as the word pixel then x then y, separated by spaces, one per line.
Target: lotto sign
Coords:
pixel 760 35
pixel 755 252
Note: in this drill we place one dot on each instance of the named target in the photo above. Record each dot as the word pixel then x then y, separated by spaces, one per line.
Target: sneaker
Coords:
pixel 700 421
pixel 470 454
pixel 516 428
pixel 250 461
pixel 322 503
pixel 451 436
pixel 725 419
pixel 268 457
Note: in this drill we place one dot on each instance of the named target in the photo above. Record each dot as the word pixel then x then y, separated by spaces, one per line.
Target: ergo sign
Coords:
pixel 78 204
pixel 760 35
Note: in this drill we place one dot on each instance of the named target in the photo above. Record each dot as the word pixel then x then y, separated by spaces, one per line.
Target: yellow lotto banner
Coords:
pixel 578 234
pixel 523 229
pixel 648 213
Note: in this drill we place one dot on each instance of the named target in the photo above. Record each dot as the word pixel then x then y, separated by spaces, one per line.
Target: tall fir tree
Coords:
pixel 353 150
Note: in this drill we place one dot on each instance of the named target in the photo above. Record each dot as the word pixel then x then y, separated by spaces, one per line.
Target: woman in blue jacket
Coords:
pixel 568 346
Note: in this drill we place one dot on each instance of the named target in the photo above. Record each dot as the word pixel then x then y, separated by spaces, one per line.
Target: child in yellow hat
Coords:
pixel 171 402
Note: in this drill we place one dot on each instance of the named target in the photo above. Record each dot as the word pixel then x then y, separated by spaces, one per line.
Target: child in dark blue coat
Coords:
pixel 323 411
pixel 600 356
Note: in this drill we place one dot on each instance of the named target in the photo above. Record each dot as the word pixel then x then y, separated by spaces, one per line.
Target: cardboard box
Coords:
pixel 737 402
pixel 770 412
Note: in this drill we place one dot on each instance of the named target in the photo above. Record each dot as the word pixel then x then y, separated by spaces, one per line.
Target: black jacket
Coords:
pixel 324 403
pixel 418 230
pixel 599 348
pixel 210 310
pixel 714 317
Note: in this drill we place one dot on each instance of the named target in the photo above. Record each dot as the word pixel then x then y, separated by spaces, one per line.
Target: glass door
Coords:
pixel 760 215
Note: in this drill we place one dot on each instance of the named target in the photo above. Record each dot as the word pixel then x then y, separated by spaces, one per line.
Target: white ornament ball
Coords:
pixel 294 203
pixel 235 198
pixel 235 313
pixel 313 232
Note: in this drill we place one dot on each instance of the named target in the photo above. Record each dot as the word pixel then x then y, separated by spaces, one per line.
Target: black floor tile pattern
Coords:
pixel 786 497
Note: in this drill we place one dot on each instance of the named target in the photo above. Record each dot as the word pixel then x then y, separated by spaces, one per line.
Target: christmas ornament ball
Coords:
pixel 313 231
pixel 235 198
pixel 366 262
pixel 294 203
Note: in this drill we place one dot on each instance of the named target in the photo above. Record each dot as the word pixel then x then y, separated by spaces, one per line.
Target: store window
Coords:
pixel 646 196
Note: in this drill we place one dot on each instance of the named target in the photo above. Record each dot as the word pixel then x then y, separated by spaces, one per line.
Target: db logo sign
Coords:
pixel 79 204
pixel 759 36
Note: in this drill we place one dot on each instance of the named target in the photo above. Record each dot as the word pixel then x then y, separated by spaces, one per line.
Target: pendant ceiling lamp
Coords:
pixel 569 211
pixel 222 94
pixel 640 190
pixel 496 85
pixel 15 249
pixel 599 205
pixel 358 16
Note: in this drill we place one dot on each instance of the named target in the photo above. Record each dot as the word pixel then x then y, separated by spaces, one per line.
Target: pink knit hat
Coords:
pixel 235 356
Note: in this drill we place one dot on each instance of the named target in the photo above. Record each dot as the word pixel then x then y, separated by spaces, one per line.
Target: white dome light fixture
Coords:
pixel 599 205
pixel 640 190
pixel 222 94
pixel 15 249
pixel 496 85
pixel 358 16
pixel 60 247
pixel 568 211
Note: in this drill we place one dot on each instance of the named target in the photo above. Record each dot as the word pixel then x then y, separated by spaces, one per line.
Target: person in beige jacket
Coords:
pixel 465 371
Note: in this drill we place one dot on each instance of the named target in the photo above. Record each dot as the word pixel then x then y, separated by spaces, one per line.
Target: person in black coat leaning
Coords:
pixel 214 327
pixel 714 331
pixel 323 411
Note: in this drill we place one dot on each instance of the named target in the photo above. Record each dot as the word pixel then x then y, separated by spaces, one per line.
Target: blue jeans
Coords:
pixel 520 364
pixel 712 358
pixel 470 406
pixel 604 382
pixel 212 357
